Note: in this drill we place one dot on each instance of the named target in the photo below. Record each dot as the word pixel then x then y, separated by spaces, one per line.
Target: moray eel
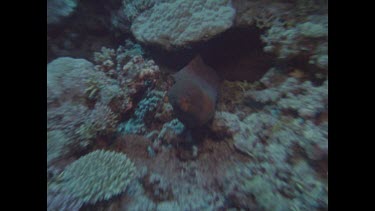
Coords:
pixel 194 94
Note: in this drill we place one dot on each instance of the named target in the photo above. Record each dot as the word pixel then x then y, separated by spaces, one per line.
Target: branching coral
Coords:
pixel 84 102
pixel 126 52
pixel 146 108
pixel 139 68
pixel 97 176
pixel 109 60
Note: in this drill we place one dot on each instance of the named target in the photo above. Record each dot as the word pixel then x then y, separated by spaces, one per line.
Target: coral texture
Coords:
pixel 146 108
pixel 305 98
pixel 307 38
pixel 121 20
pixel 57 145
pixel 96 176
pixel 181 22
pixel 262 14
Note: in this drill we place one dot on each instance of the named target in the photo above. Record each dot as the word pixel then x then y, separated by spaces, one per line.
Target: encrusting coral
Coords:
pixel 181 22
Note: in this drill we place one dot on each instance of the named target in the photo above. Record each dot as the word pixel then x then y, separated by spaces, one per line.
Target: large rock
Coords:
pixel 182 22
pixel 194 95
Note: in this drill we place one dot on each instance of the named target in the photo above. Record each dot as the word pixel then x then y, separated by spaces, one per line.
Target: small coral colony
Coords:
pixel 187 105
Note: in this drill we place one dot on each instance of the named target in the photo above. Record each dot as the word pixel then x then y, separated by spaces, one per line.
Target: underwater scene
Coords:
pixel 169 105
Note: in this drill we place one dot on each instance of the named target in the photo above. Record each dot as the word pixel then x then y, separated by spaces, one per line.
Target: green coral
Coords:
pixel 96 176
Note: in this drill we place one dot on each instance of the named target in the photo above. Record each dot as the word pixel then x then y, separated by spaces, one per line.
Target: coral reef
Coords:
pixel 170 131
pixel 262 14
pixel 96 176
pixel 304 98
pixel 57 145
pixel 146 108
pixel 223 107
pixel 86 103
pixel 285 145
pixel 108 59
pixel 122 19
pixel 79 98
pixel 179 23
pixel 308 38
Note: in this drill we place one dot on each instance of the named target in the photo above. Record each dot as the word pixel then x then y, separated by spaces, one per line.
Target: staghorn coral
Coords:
pixel 97 176
pixel 179 23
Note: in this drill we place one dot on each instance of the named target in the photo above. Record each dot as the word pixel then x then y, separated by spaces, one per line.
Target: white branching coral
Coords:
pixel 97 176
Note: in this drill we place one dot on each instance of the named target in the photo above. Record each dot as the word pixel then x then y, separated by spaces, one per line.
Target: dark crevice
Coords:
pixel 84 32
pixel 236 54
